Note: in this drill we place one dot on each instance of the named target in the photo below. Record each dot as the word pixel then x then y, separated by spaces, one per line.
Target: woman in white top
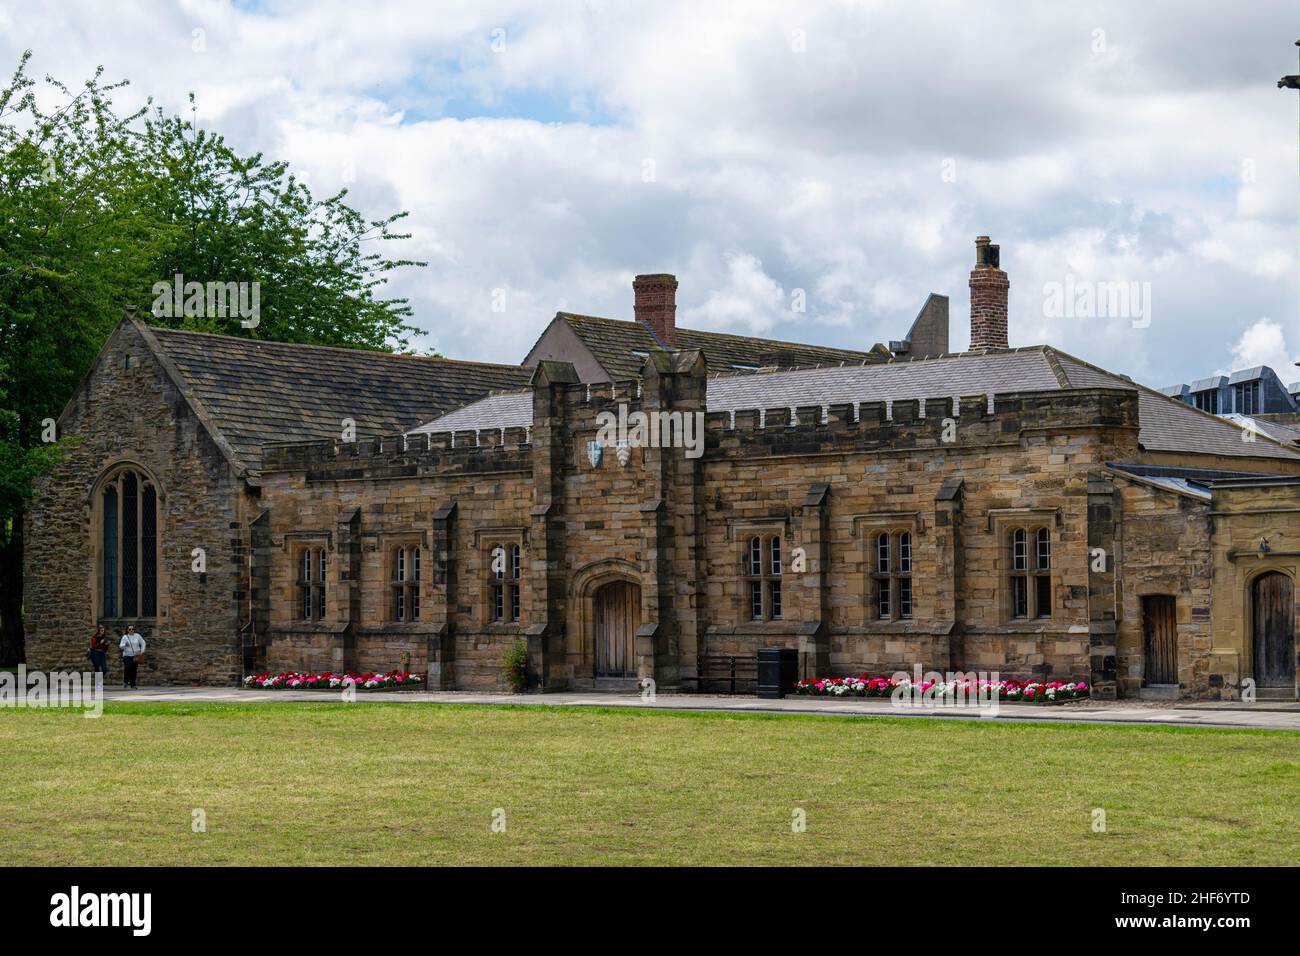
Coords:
pixel 132 645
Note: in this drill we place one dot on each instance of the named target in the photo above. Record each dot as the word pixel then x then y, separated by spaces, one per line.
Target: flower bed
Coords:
pixel 1022 691
pixel 329 681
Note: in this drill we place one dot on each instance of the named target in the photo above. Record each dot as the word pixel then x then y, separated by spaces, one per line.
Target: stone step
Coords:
pixel 617 685
pixel 1275 693
pixel 1159 692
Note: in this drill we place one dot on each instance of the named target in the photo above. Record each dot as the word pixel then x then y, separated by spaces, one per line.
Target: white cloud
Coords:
pixel 1264 343
pixel 746 299
pixel 1166 157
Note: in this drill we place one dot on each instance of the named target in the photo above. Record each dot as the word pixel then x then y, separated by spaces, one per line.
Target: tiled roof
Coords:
pixel 1166 424
pixel 255 392
pixel 616 342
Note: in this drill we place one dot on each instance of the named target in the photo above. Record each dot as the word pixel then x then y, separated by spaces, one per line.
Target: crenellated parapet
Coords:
pixel 905 424
pixel 483 451
pixel 580 410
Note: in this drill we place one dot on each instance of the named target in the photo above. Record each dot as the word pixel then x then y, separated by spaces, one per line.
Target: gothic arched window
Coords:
pixel 128 523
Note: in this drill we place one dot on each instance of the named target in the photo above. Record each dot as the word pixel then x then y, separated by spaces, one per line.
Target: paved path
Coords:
pixel 1274 715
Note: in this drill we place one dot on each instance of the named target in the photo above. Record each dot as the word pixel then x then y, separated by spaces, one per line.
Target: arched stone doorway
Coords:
pixel 616 615
pixel 1272 602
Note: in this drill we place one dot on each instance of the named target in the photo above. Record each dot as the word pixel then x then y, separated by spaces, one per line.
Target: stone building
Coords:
pixel 638 500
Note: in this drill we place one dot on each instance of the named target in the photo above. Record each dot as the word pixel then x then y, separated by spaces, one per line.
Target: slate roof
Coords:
pixel 1165 424
pixel 615 342
pixel 503 410
pixel 1168 424
pixel 1276 430
pixel 972 373
pixel 253 392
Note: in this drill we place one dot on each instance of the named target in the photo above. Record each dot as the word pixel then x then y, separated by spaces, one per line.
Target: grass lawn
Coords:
pixel 418 784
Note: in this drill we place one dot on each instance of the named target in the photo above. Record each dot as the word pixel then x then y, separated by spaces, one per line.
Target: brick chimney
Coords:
pixel 988 298
pixel 656 305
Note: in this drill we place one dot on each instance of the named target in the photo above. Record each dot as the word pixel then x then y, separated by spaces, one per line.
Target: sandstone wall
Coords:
pixel 361 502
pixel 129 411
pixel 825 482
pixel 1244 517
pixel 1164 549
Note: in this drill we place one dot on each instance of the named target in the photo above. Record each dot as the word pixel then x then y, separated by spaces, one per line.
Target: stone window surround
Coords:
pixel 95 502
pixel 742 531
pixel 892 578
pixel 771 565
pixel 311 568
pixel 869 527
pixel 389 543
pixel 1003 522
pixel 294 544
pixel 484 540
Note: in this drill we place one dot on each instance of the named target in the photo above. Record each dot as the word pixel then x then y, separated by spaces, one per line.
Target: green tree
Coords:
pixel 227 218
pixel 98 206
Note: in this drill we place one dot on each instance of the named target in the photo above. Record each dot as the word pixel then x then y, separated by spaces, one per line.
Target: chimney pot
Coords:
pixel 655 305
pixel 989 287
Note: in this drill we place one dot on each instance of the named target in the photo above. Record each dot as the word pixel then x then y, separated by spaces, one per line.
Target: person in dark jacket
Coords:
pixel 98 652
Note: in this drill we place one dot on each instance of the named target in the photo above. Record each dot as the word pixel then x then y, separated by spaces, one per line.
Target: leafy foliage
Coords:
pixel 514 665
pixel 98 206
pixel 227 218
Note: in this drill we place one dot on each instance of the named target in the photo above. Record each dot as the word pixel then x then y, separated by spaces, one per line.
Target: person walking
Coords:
pixel 133 646
pixel 98 652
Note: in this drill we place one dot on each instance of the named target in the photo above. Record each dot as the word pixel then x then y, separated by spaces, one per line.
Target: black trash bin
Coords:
pixel 778 669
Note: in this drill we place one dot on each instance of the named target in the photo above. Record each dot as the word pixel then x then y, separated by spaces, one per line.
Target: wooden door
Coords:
pixel 1160 639
pixel 618 614
pixel 1273 614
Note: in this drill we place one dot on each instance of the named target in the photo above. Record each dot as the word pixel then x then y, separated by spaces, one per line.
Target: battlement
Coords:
pixel 463 452
pixel 599 394
pixel 947 421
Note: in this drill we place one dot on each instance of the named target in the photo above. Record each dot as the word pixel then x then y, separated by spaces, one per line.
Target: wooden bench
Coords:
pixel 732 670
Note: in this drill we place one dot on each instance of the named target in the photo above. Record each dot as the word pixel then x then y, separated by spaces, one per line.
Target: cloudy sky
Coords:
pixel 851 150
